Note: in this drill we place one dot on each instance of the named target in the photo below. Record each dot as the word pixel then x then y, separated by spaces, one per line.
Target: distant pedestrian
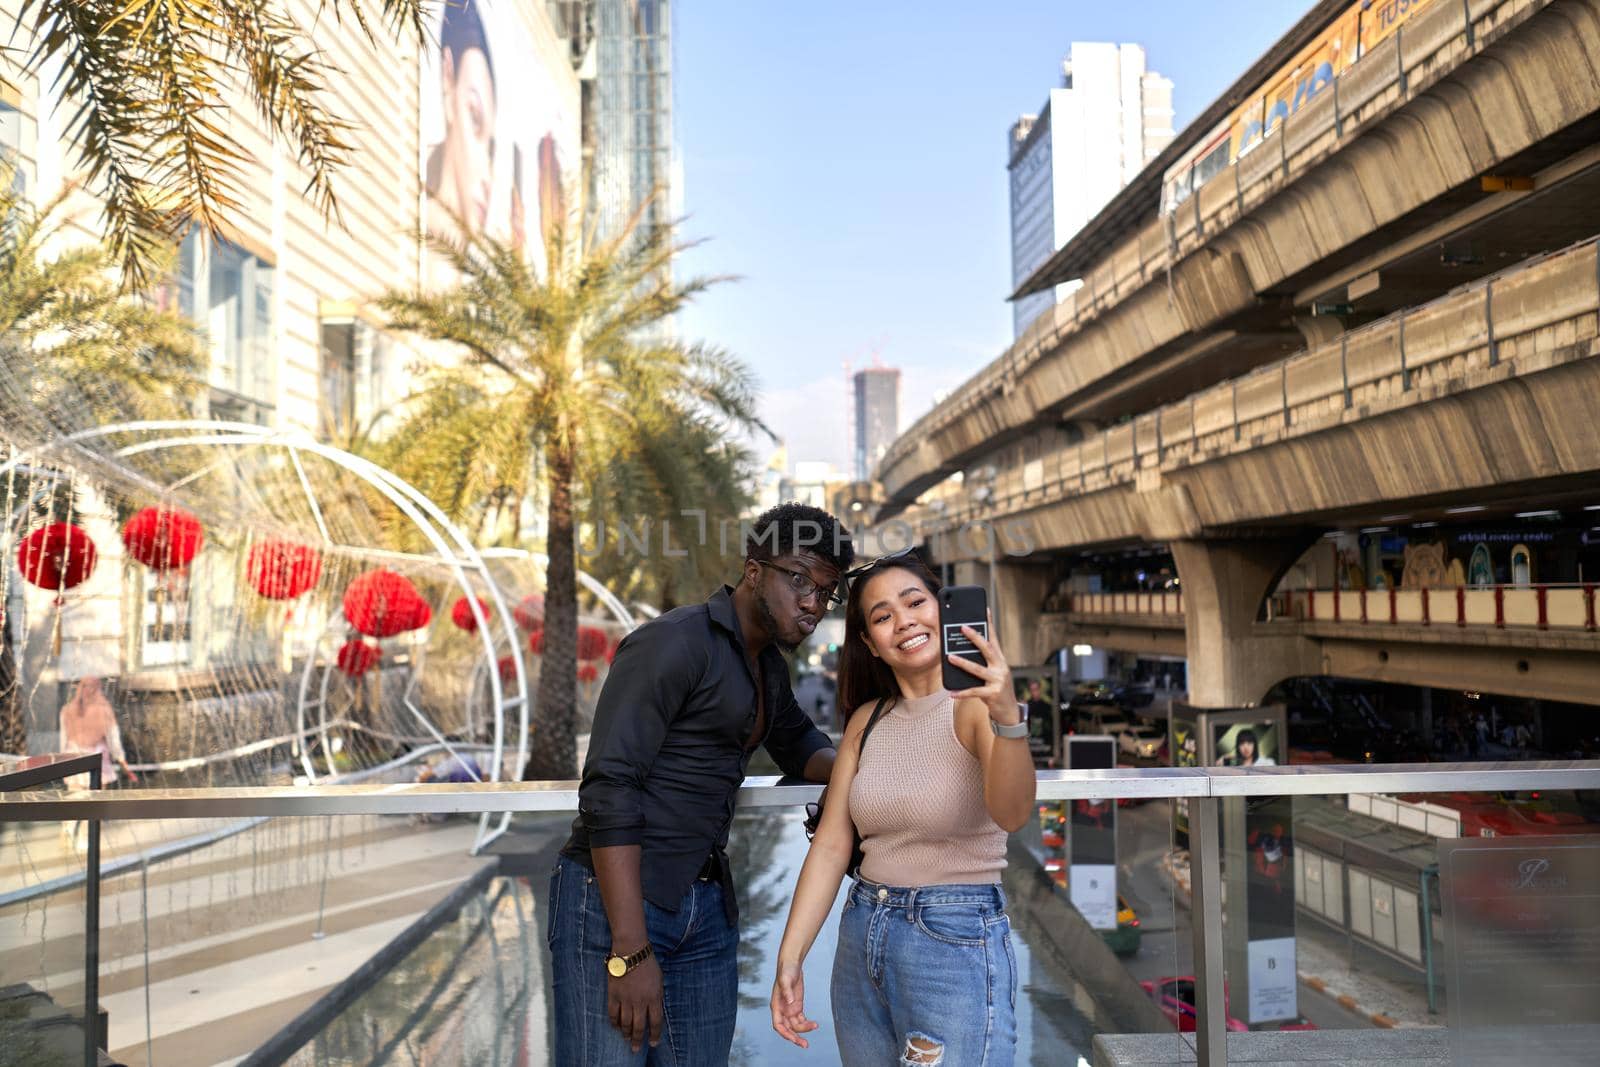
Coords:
pixel 89 724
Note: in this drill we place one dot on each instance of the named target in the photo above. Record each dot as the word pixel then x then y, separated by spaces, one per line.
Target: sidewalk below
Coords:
pixel 1331 973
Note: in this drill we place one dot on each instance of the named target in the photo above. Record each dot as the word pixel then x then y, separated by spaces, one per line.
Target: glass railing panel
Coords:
pixel 1451 924
pixel 1367 920
pixel 43 941
pixel 48 939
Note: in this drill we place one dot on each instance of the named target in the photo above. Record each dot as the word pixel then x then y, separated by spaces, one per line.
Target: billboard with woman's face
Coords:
pixel 1246 744
pixel 499 123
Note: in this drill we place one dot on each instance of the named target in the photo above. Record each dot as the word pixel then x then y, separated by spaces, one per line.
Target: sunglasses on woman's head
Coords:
pixel 907 553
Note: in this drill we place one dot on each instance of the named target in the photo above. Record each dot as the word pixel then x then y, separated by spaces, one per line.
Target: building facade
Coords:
pixel 622 53
pixel 286 298
pixel 1109 118
pixel 877 416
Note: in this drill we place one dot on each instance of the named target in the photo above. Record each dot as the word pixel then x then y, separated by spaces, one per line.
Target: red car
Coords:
pixel 1175 997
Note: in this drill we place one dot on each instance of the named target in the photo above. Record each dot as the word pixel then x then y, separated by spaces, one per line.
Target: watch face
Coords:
pixel 617 966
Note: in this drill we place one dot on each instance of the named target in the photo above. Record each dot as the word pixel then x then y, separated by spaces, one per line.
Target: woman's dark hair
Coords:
pixel 461 30
pixel 1250 736
pixel 863 677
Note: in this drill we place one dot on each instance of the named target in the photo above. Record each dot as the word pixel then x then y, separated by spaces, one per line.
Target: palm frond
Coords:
pixel 150 80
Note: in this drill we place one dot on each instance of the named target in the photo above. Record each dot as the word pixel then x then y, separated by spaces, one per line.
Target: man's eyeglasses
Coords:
pixel 803 586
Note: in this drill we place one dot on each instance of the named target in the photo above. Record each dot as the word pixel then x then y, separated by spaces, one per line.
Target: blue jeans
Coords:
pixel 696 947
pixel 925 976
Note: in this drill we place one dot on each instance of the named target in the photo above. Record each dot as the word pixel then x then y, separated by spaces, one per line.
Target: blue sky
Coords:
pixel 847 160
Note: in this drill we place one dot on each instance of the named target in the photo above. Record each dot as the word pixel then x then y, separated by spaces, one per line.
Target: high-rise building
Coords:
pixel 877 393
pixel 1109 118
pixel 622 52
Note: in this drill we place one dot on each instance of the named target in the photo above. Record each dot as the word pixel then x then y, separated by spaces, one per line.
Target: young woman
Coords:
pixel 924 971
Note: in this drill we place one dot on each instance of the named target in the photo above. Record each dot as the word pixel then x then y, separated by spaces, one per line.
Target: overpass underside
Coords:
pixel 1527 663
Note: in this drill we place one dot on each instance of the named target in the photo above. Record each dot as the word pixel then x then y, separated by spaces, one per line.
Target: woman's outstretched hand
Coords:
pixel 789 1005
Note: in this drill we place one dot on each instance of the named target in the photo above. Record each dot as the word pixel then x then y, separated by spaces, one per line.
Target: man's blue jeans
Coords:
pixel 697 949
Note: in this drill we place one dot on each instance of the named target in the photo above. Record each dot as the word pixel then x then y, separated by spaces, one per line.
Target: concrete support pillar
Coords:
pixel 1019 591
pixel 1224 583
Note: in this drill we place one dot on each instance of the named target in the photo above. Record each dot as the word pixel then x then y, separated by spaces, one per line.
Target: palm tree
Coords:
pixel 693 476
pixel 569 369
pixel 76 351
pixel 150 81
pixel 80 351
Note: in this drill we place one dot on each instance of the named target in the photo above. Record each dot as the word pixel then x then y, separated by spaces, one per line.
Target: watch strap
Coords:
pixel 1012 732
pixel 633 959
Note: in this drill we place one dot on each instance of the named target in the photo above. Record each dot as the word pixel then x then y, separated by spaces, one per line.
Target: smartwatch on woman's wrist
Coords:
pixel 1016 729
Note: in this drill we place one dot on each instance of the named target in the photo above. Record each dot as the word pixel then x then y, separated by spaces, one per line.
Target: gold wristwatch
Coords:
pixel 617 966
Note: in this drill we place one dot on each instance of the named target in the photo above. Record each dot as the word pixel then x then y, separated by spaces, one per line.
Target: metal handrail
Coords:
pixel 771 792
pixel 1205 787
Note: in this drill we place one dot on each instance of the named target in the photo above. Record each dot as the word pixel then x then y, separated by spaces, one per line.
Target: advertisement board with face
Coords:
pixel 499 124
pixel 1036 688
pixel 1245 744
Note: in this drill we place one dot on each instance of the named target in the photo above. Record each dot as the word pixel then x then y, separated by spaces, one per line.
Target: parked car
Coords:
pixel 1142 742
pixel 1175 997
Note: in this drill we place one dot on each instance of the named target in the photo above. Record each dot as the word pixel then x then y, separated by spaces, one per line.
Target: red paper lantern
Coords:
pixel 508 669
pixel 58 556
pixel 529 612
pixel 592 642
pixel 588 672
pixel 357 657
pixel 382 603
pixel 461 613
pixel 536 642
pixel 164 538
pixel 282 570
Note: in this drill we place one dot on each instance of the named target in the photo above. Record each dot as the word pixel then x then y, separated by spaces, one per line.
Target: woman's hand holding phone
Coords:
pixel 994 687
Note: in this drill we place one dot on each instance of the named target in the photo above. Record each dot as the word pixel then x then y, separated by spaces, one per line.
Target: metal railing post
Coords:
pixel 1205 880
pixel 91 939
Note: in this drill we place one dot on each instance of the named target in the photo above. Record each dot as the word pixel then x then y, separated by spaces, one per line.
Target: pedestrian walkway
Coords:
pixel 207 955
pixel 1370 996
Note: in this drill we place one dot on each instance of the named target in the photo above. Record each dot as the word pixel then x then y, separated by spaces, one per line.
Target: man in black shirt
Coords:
pixel 643 919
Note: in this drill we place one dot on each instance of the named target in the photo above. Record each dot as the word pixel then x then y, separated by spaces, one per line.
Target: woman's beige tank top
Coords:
pixel 917 800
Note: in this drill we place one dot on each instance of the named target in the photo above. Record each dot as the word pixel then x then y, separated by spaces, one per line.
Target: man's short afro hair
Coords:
pixel 795 527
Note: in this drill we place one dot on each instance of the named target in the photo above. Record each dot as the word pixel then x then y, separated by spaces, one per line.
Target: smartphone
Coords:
pixel 961 605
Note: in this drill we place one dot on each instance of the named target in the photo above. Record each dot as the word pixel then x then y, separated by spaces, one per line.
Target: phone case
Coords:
pixel 961 605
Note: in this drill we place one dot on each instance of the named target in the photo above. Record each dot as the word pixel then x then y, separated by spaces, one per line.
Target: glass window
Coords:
pixel 227 291
pixel 355 363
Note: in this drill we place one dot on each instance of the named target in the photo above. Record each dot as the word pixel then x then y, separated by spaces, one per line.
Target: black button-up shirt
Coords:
pixel 668 751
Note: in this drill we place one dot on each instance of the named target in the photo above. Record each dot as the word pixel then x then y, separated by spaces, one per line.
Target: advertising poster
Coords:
pixel 499 124
pixel 1269 869
pixel 1036 689
pixel 1246 744
pixel 1092 840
